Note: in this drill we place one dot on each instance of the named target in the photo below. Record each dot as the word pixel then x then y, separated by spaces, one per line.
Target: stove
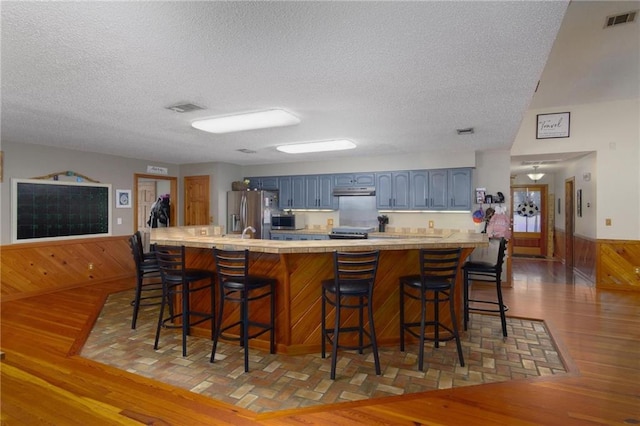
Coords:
pixel 350 233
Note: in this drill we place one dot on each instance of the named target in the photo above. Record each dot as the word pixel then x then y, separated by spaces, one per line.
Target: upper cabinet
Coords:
pixel 445 189
pixel 318 192
pixel 291 192
pixel 346 180
pixel 392 190
pixel 269 183
pixel 460 189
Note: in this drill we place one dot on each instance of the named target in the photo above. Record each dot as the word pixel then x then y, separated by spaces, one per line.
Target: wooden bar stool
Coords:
pixel 236 285
pixel 180 281
pixel 350 288
pixel 435 284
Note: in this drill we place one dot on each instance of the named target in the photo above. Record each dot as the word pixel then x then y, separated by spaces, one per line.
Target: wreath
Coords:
pixel 527 209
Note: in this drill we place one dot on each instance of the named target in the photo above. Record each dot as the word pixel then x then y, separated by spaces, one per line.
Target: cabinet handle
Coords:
pixel 390 202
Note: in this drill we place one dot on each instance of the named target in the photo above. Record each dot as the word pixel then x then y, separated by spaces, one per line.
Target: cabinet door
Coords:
pixel 419 186
pixel 384 191
pixel 460 189
pixel 400 190
pixel 284 185
pixel 364 179
pixel 326 200
pixel 311 192
pixel 347 180
pixel 297 192
pixel 438 190
pixel 269 183
pixel 343 180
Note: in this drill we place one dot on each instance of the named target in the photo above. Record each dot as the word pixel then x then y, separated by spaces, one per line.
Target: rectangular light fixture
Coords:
pixel 247 121
pixel 303 148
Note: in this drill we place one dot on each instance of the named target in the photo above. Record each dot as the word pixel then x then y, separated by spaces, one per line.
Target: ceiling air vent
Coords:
pixel 623 18
pixel 246 151
pixel 186 107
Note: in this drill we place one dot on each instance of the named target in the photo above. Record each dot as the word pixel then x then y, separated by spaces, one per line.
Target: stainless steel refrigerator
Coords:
pixel 251 208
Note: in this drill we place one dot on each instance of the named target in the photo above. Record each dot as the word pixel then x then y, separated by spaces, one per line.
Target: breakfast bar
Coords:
pixel 300 266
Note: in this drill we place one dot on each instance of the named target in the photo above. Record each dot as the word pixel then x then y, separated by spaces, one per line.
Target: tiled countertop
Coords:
pixel 205 237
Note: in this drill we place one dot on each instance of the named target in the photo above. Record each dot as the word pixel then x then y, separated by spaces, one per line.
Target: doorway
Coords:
pixel 569 225
pixel 529 220
pixel 145 186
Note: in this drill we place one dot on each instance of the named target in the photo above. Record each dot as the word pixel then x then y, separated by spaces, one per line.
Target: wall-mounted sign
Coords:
pixel 553 125
pixel 157 170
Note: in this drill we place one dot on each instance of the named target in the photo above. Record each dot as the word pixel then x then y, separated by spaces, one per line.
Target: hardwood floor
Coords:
pixel 45 382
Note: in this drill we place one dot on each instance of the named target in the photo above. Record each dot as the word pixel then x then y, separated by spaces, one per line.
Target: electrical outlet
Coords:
pixel 607 222
pixel 90 266
pixel 637 270
pixel 431 224
pixel 329 222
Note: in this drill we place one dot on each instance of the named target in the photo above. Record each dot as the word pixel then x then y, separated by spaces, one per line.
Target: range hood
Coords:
pixel 354 191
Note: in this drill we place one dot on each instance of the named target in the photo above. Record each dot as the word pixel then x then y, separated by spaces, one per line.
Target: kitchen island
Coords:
pixel 300 266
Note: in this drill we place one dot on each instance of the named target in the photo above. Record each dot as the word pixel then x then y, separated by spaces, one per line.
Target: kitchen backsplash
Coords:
pixel 403 220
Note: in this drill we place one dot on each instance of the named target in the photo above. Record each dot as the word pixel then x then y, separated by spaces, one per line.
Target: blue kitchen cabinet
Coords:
pixel 459 189
pixel 349 180
pixel 419 184
pixel 291 192
pixel 268 183
pixel 319 192
pixel 392 190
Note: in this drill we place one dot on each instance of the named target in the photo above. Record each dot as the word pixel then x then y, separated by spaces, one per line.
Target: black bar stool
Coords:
pixel 236 285
pixel 486 272
pixel 350 288
pixel 177 280
pixel 148 290
pixel 435 284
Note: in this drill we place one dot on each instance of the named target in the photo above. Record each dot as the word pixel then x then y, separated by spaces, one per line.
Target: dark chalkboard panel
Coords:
pixel 54 209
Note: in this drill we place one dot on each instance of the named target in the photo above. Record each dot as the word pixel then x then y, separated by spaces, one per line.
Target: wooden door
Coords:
pixel 196 200
pixel 529 219
pixel 146 198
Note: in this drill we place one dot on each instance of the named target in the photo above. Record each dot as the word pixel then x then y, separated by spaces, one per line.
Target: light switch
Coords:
pixel 119 220
pixel 607 222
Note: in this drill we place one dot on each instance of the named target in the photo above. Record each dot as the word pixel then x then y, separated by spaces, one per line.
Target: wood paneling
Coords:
pixel 609 263
pixel 298 297
pixel 618 264
pixel 42 267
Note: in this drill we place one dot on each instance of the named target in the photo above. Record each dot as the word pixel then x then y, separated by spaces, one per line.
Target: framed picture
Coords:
pixel 554 125
pixel 480 195
pixel 123 198
pixel 488 199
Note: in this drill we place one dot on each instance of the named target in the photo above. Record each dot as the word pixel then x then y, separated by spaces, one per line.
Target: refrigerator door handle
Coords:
pixel 243 211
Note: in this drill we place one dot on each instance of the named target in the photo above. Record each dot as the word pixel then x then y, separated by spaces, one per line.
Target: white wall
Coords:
pixel 612 130
pixel 28 161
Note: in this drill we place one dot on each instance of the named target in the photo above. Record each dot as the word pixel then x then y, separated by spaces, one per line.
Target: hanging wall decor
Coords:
pixel 555 125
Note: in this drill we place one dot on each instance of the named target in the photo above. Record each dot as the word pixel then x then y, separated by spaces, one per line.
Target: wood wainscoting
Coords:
pixel 618 264
pixel 43 267
pixel 609 264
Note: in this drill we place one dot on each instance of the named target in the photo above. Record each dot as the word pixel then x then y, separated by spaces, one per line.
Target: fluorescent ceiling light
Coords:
pixel 246 121
pixel 302 148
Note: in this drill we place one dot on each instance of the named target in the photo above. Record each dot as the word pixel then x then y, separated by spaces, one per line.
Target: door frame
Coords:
pixel 173 194
pixel 569 223
pixel 544 206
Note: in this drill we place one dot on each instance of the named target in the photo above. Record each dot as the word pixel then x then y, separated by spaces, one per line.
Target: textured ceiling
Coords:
pixel 394 77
